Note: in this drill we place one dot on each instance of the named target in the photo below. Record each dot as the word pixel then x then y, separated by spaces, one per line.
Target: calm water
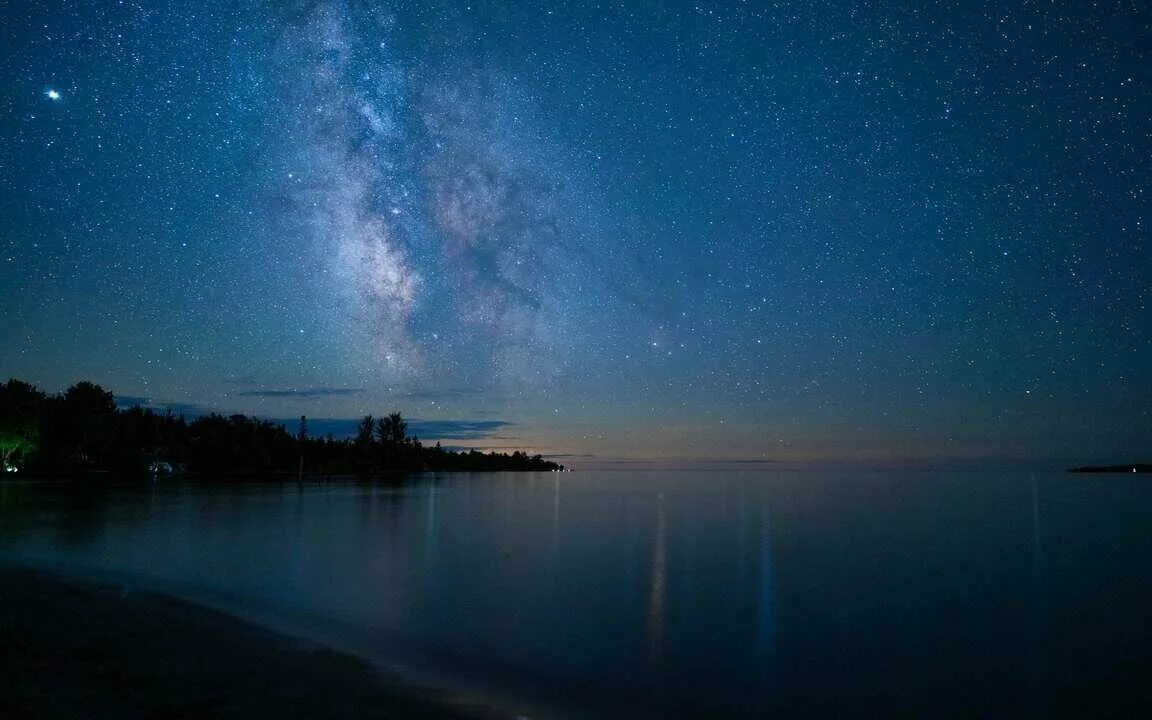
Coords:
pixel 650 594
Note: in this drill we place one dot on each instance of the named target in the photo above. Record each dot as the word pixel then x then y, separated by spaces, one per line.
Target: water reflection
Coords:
pixel 764 619
pixel 555 512
pixel 658 583
pixel 1037 620
pixel 1037 550
pixel 690 594
pixel 430 532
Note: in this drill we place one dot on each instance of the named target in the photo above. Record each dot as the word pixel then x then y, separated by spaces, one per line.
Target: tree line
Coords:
pixel 82 429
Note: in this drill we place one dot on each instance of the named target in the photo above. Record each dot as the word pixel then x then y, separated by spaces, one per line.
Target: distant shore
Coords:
pixel 74 649
pixel 1132 468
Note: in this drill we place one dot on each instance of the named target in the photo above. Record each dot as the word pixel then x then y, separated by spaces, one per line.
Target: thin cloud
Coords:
pixel 128 401
pixel 457 429
pixel 439 395
pixel 188 410
pixel 426 430
pixel 301 394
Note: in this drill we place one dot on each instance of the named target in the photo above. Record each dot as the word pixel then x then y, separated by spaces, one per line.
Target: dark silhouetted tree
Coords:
pixel 88 414
pixel 365 430
pixel 392 429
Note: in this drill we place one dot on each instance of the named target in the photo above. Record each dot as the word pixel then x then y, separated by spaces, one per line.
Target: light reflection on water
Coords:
pixel 656 588
pixel 653 594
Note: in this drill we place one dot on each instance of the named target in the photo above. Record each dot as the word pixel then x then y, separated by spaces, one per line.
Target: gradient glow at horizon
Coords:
pixel 805 231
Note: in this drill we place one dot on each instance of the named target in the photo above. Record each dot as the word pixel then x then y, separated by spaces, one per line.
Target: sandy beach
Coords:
pixel 77 650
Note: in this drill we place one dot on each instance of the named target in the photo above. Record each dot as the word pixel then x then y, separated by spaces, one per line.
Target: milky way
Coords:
pixel 346 196
pixel 433 226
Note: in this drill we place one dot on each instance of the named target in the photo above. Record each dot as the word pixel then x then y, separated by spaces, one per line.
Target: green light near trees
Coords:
pixel 18 440
pixel 20 409
pixel 17 443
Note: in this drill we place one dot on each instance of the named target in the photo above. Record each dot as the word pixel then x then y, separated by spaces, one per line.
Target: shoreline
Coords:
pixel 80 648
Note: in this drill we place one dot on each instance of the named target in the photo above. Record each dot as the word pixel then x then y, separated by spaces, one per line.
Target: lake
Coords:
pixel 661 594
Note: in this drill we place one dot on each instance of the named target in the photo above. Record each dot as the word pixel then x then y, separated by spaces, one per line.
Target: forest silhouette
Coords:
pixel 82 431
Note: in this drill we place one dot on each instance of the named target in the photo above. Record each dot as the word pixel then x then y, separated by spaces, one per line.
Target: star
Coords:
pixel 526 233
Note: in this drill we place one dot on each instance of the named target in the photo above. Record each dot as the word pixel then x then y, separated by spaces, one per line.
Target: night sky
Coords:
pixel 798 231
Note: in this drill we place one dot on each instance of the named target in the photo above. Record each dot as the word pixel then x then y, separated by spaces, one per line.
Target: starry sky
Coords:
pixel 773 231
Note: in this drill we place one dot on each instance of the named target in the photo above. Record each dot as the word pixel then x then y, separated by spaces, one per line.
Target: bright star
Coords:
pixel 52 94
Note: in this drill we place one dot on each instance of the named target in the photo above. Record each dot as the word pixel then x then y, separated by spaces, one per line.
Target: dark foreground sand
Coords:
pixel 74 650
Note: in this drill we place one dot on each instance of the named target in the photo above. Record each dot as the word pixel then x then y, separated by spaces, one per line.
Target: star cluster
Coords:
pixel 787 230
